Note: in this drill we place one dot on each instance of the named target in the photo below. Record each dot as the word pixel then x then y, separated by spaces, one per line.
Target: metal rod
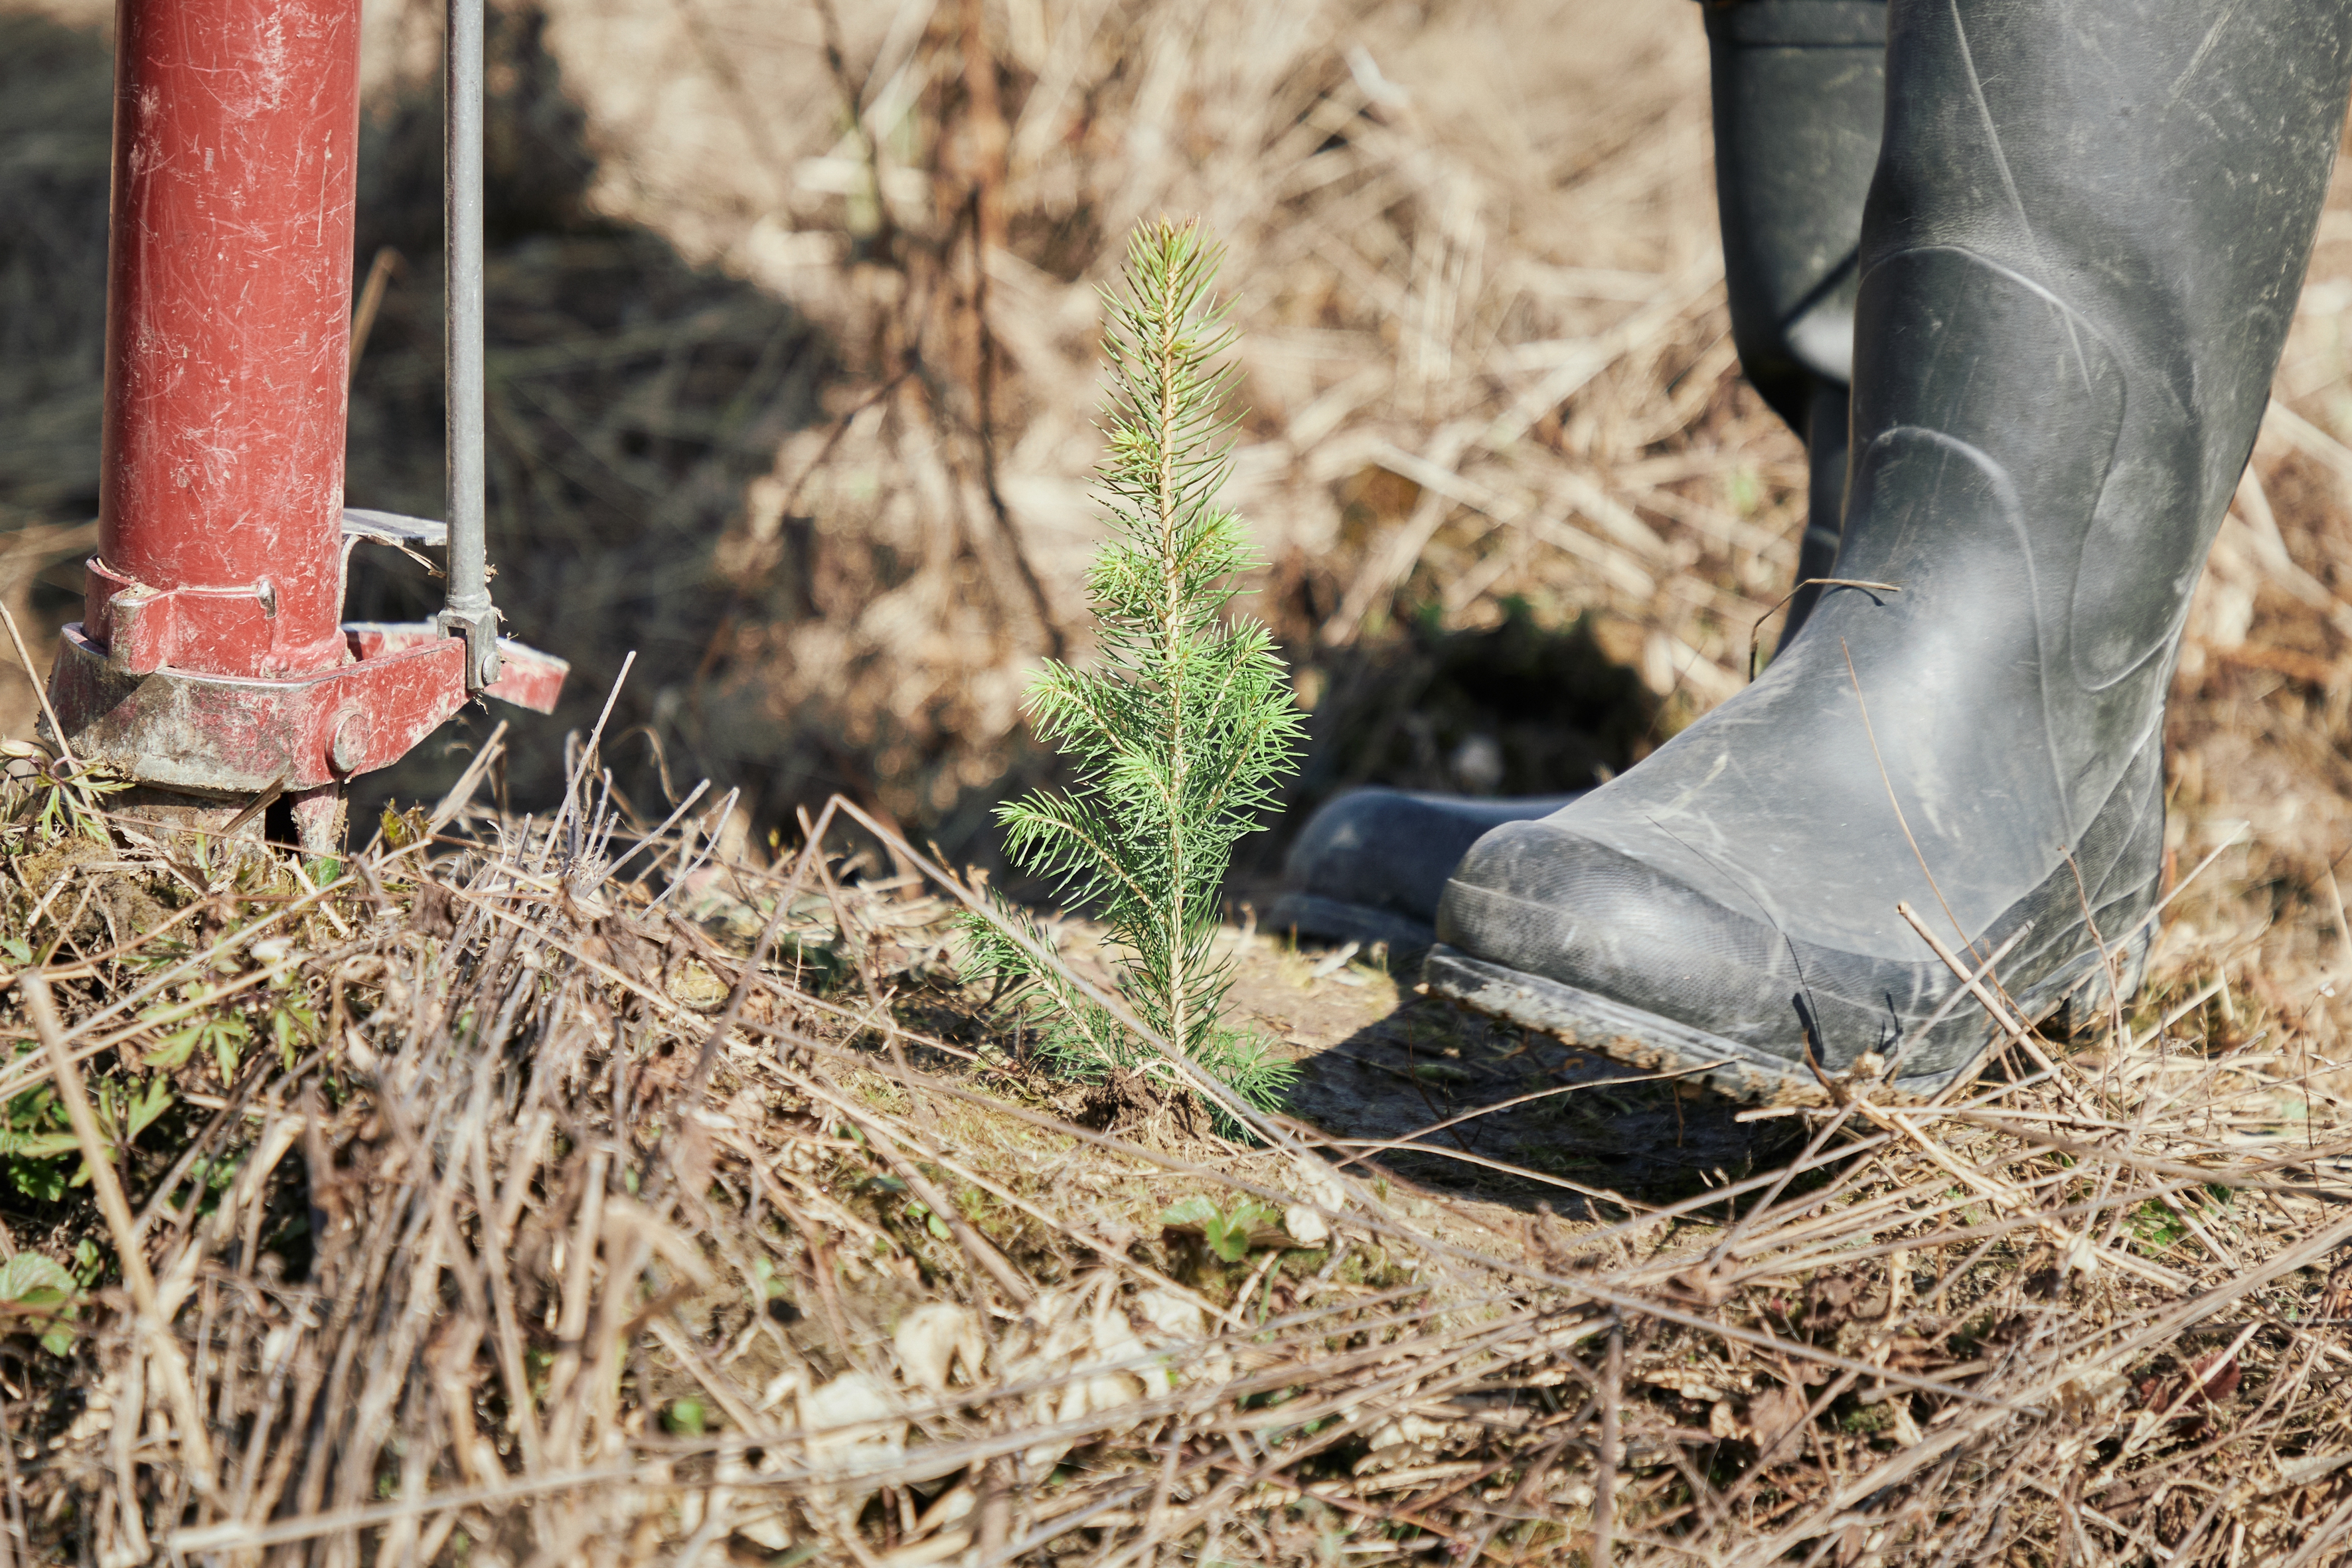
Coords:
pixel 469 612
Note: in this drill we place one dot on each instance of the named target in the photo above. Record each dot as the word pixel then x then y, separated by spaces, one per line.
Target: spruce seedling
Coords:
pixel 1180 731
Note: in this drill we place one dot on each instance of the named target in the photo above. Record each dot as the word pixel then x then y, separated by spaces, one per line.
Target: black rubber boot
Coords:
pixel 1798 91
pixel 1799 87
pixel 1370 864
pixel 2081 255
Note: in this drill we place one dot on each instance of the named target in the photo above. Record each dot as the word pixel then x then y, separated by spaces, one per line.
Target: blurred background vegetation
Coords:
pixel 793 382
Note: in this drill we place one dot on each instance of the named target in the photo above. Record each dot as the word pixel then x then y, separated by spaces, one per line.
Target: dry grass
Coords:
pixel 573 1227
pixel 576 1233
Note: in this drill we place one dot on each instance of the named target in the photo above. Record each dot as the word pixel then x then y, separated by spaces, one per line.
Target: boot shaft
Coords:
pixel 1798 89
pixel 2079 258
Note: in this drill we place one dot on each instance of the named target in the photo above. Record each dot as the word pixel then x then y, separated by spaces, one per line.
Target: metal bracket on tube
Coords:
pixel 480 630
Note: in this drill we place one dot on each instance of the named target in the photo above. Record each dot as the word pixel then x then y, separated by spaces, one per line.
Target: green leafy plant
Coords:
pixel 293 1026
pixel 1179 732
pixel 39 1152
pixel 223 1036
pixel 57 799
pixel 43 1291
pixel 1228 1233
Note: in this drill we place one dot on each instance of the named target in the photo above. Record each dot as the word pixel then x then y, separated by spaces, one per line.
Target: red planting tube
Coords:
pixel 227 335
pixel 211 663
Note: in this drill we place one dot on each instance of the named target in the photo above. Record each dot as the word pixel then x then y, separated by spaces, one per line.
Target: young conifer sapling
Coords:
pixel 1179 730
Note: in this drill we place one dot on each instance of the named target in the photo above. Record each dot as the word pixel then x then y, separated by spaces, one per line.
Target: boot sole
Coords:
pixel 1656 1044
pixel 1335 920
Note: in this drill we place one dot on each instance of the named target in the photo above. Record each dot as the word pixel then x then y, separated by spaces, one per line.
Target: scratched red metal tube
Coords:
pixel 211 661
pixel 228 298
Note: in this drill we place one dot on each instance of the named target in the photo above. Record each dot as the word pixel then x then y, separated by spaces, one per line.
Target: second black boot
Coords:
pixel 1798 89
pixel 2080 256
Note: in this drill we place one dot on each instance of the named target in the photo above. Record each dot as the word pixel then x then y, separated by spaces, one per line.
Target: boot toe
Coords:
pixel 1554 930
pixel 1543 900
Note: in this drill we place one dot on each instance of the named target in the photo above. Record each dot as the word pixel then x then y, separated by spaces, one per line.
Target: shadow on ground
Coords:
pixel 1378 1063
pixel 1515 708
